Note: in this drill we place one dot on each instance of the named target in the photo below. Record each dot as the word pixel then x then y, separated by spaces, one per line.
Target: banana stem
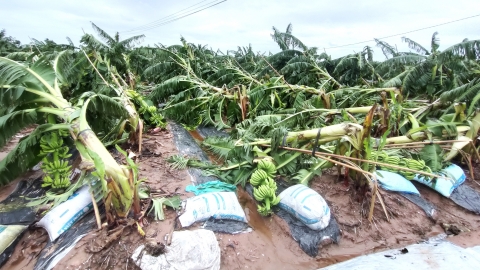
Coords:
pixel 233 166
pixel 117 181
pixel 95 209
pixel 321 155
pixel 423 143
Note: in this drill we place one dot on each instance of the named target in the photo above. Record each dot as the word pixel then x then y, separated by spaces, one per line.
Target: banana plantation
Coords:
pixel 279 119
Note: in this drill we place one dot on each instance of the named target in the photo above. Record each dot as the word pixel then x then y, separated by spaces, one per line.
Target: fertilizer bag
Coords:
pixel 218 205
pixel 442 185
pixel 306 205
pixel 395 182
pixel 62 217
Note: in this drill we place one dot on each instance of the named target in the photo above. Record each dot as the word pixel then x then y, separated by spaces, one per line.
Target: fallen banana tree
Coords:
pixel 305 154
pixel 33 93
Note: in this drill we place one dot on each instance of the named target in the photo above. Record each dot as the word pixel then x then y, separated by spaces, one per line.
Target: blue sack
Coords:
pixel 442 185
pixel 211 186
pixel 395 182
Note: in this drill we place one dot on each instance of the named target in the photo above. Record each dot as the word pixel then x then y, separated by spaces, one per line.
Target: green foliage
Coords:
pixel 12 123
pixel 24 156
pixel 257 97
pixel 433 157
pixel 8 44
pixel 159 203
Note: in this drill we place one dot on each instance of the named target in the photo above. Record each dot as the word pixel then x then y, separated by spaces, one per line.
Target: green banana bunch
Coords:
pixel 263 192
pixel 59 181
pixel 266 193
pixel 54 164
pixel 268 166
pixel 60 166
pixel 413 164
pixel 264 186
pixel 259 176
pixel 149 113
pixel 51 142
pixel 265 170
pixel 152 109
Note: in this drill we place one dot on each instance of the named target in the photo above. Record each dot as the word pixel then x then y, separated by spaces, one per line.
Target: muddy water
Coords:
pixel 196 135
pixel 199 139
pixel 255 220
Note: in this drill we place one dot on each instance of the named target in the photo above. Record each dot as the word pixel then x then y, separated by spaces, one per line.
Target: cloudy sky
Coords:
pixel 321 23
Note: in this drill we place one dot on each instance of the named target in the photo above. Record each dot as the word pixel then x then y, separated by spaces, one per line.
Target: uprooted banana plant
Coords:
pixel 29 93
pixel 299 155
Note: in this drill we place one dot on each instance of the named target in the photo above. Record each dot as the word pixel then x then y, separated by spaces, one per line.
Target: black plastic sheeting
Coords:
pixel 50 253
pixel 187 146
pixel 211 132
pixel 467 197
pixel 421 202
pixel 9 250
pixel 13 209
pixel 307 238
pixel 225 226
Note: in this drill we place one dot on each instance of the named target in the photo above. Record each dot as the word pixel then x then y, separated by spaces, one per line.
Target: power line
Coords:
pixel 162 19
pixel 169 21
pixel 366 41
pixel 155 25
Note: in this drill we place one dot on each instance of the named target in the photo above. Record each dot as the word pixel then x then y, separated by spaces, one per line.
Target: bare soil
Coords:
pixel 269 245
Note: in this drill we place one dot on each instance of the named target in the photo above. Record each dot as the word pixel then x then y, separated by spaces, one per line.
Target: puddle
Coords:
pixel 196 135
pixel 255 220
pixel 199 139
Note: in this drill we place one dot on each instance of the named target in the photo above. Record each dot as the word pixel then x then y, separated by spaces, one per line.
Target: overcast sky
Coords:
pixel 233 23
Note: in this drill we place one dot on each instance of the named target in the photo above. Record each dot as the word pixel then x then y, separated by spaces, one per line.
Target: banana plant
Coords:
pixel 30 94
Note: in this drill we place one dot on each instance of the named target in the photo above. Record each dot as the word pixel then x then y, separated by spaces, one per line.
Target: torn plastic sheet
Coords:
pixel 53 252
pixel 307 238
pixel 9 237
pixel 211 132
pixel 433 254
pixel 395 182
pixel 226 226
pixel 13 209
pixel 14 212
pixel 420 202
pixel 186 145
pixel 467 197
